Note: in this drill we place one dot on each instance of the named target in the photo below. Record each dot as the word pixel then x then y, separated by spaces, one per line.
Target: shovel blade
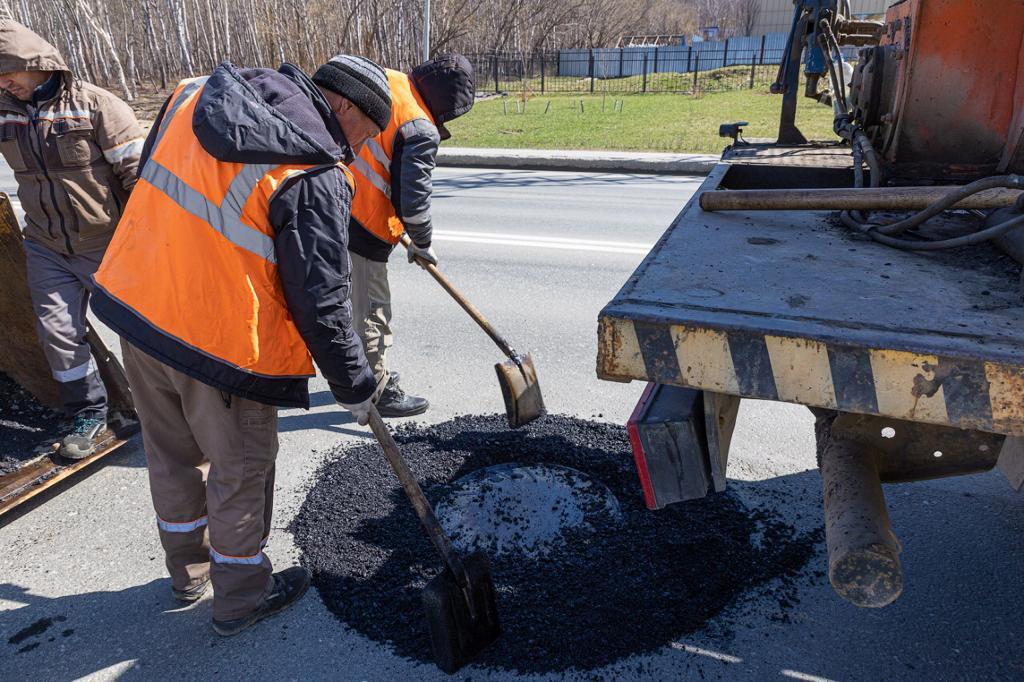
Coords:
pixel 462 623
pixel 521 391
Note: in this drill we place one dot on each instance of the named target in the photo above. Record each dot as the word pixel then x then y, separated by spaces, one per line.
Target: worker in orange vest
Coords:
pixel 394 190
pixel 227 277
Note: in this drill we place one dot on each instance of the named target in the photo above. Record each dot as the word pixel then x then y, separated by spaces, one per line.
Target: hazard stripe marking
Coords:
pixel 967 394
pixel 753 366
pixel 1006 395
pixel 853 379
pixel 903 382
pixel 966 391
pixel 802 371
pixel 705 360
pixel 659 352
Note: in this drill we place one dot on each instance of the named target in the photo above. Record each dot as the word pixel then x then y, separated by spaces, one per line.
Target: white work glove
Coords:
pixel 361 411
pixel 426 254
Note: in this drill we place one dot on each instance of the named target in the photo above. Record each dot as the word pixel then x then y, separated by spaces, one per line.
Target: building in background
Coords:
pixel 776 16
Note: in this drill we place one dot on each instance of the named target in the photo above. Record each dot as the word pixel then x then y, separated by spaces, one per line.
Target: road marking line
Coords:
pixel 718 656
pixel 496 239
pixel 805 677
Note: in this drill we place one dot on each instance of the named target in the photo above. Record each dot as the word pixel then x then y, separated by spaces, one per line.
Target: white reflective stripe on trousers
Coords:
pixel 226 218
pixel 75 373
pixel 254 560
pixel 182 527
pixel 367 172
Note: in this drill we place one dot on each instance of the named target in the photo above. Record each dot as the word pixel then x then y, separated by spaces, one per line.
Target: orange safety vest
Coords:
pixel 372 206
pixel 193 257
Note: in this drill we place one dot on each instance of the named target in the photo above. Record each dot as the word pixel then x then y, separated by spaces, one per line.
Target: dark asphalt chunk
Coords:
pixel 631 587
pixel 25 425
pixel 35 629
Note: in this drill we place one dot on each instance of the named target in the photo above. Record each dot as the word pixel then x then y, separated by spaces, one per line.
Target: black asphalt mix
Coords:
pixel 25 425
pixel 607 594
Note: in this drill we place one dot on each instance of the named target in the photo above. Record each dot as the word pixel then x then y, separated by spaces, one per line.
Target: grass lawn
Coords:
pixel 660 123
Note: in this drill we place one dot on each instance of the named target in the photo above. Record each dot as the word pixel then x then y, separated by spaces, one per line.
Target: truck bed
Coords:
pixel 792 306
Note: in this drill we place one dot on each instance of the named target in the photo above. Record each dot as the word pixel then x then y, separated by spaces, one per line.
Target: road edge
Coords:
pixel 570 160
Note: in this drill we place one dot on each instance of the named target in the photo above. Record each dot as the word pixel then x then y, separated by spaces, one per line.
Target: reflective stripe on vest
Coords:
pixel 372 206
pixel 194 257
pixel 225 218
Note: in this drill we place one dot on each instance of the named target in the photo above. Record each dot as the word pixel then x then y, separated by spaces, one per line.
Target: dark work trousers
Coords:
pixel 60 286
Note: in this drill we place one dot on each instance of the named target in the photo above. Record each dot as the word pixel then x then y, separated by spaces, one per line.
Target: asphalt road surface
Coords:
pixel 540 253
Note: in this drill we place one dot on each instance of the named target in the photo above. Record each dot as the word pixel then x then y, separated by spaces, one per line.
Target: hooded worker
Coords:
pixel 394 190
pixel 227 278
pixel 74 149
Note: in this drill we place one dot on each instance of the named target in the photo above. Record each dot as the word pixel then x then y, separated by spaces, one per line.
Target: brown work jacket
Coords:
pixel 74 155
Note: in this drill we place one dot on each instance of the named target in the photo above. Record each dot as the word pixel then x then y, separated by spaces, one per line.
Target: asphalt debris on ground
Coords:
pixel 25 425
pixel 625 584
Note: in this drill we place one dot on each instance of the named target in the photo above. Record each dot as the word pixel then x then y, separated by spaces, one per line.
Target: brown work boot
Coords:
pixel 289 586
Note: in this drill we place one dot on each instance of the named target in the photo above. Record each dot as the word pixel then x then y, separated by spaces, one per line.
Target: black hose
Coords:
pixel 942 244
pixel 944 204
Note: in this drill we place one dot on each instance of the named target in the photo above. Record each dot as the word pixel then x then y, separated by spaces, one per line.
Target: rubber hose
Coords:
pixel 942 244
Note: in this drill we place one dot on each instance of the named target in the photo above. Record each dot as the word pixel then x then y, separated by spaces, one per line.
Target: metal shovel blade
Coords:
pixel 462 622
pixel 520 389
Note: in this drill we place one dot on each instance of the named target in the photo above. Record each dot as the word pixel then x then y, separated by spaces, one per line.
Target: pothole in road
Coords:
pixel 586 575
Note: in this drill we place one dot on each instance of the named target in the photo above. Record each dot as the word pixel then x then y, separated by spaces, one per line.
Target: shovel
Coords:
pixel 517 376
pixel 460 603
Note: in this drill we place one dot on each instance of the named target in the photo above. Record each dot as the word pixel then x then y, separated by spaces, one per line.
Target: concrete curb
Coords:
pixel 590 161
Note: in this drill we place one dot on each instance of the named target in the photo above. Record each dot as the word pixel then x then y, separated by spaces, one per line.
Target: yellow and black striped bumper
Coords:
pixel 968 394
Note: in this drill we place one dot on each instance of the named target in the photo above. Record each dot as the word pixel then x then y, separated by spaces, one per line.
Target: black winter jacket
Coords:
pixel 281 117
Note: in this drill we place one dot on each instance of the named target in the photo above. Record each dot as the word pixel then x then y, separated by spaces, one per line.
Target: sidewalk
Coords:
pixel 590 161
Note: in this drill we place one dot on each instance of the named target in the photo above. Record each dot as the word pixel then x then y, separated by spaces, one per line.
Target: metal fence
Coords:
pixel 738 63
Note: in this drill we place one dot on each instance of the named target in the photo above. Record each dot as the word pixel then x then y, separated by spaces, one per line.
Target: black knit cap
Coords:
pixel 360 81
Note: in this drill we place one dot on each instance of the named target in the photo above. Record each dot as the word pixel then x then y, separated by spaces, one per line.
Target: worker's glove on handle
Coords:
pixel 361 411
pixel 427 254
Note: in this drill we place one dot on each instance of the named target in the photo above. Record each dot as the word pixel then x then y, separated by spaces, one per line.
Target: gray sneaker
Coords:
pixel 87 435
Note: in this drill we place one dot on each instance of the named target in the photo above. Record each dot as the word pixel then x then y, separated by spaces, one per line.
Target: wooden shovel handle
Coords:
pixel 412 489
pixel 473 311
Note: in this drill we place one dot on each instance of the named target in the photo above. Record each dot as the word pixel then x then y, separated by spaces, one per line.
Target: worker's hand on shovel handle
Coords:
pixel 421 255
pixel 361 411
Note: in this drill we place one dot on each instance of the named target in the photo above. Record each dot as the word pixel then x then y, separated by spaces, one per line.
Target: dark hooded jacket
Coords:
pixel 446 85
pixel 262 116
pixel 74 148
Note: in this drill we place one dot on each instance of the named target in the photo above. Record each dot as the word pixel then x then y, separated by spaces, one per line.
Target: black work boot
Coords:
pixel 289 586
pixel 394 402
pixel 87 435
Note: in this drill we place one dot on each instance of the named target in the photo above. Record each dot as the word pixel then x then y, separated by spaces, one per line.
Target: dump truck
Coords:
pixel 874 278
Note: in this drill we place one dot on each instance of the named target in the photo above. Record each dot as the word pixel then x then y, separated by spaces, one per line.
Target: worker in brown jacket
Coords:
pixel 74 149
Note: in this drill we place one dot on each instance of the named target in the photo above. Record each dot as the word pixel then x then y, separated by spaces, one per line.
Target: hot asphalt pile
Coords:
pixel 620 585
pixel 25 425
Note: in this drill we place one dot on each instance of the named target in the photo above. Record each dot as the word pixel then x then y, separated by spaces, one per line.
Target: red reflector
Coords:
pixel 632 427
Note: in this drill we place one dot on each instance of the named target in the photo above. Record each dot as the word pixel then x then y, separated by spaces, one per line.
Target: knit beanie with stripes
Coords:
pixel 360 81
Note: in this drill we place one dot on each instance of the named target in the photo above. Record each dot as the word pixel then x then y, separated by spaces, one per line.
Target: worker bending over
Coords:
pixel 229 270
pixel 394 189
pixel 74 149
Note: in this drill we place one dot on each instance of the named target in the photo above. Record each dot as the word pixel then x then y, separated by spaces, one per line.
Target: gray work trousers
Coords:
pixel 211 459
pixel 371 314
pixel 59 286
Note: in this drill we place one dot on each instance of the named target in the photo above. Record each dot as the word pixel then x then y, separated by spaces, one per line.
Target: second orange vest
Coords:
pixel 372 206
